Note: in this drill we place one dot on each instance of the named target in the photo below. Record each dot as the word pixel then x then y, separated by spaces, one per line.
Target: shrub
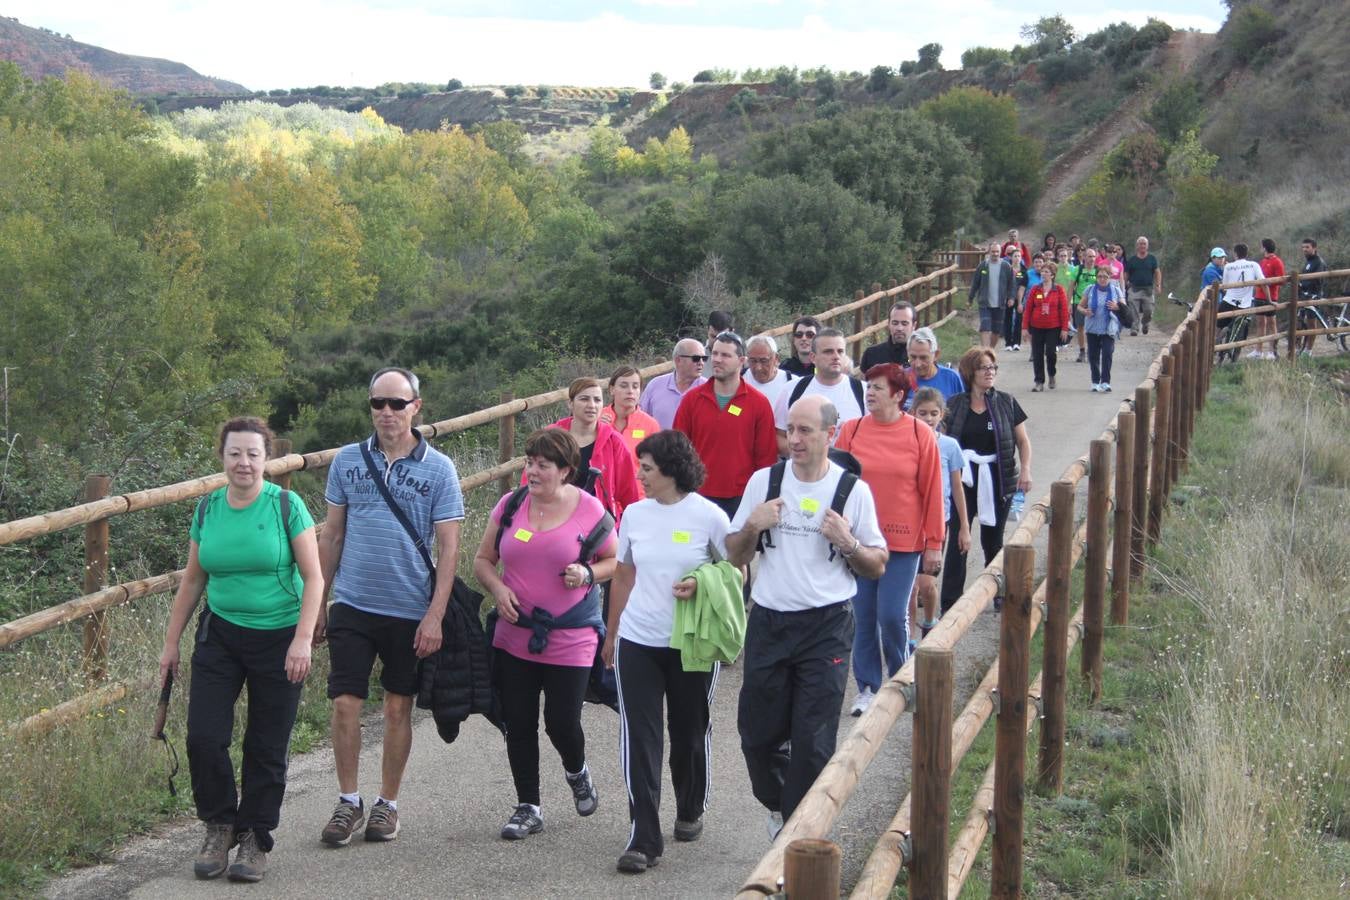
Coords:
pixel 1067 66
pixel 880 80
pixel 514 91
pixel 1177 109
pixel 1250 29
pixel 930 58
pixel 977 57
pixel 827 86
pixel 454 84
pixel 657 81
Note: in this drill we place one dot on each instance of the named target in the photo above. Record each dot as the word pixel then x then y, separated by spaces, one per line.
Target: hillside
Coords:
pixel 40 53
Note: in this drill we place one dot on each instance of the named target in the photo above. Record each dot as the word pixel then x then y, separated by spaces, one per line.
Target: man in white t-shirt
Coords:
pixel 829 381
pixel 1241 269
pixel 800 630
pixel 764 374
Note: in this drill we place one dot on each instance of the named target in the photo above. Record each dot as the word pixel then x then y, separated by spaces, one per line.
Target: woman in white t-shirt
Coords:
pixel 661 539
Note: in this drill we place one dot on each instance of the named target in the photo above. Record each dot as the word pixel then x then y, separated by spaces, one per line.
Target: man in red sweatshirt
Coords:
pixel 730 425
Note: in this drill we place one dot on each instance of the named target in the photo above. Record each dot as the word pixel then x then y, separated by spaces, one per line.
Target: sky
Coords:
pixel 265 44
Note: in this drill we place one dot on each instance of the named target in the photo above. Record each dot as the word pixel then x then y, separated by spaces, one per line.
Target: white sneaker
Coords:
pixel 1106 388
pixel 1253 354
pixel 1096 389
pixel 774 824
pixel 861 702
pixel 1269 354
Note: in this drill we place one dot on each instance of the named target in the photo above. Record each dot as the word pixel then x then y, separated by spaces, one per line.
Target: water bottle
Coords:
pixel 1018 501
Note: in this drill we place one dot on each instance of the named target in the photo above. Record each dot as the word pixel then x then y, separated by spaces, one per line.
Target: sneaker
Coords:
pixel 1253 354
pixel 1145 328
pixel 344 823
pixel 688 831
pixel 1096 388
pixel 583 792
pixel 635 862
pixel 1082 356
pixel 214 856
pixel 1051 385
pixel 1270 354
pixel 383 822
pixel 250 864
pixel 1106 388
pixel 861 702
pixel 1037 388
pixel 1134 332
pixel 774 824
pixel 523 823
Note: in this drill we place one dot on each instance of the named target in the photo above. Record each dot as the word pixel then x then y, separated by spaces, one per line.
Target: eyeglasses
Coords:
pixel 696 357
pixel 987 370
pixel 803 334
pixel 397 404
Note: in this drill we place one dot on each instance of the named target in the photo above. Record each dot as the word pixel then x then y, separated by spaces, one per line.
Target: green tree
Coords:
pixel 454 84
pixel 1205 206
pixel 798 240
pixel 1176 110
pixel 657 81
pixel 979 57
pixel 881 79
pixel 1010 162
pixel 917 170
pixel 930 58
pixel 1053 32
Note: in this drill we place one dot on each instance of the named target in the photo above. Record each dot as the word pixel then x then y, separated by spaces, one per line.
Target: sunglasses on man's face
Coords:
pixel 397 404
pixel 696 357
pixel 803 334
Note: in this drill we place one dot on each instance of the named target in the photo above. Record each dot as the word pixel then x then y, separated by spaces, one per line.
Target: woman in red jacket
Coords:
pixel 1046 315
pixel 602 448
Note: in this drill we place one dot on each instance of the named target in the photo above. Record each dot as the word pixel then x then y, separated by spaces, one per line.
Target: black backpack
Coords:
pixel 852 472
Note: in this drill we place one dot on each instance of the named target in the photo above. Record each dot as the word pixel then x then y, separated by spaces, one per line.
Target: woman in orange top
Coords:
pixel 1046 316
pixel 632 424
pixel 902 466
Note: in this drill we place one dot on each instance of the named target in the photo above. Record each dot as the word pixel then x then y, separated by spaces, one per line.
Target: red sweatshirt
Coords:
pixel 1046 309
pixel 617 486
pixel 734 442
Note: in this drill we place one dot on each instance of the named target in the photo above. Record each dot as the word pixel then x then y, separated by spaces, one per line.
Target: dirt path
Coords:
pixel 455 798
pixel 1073 167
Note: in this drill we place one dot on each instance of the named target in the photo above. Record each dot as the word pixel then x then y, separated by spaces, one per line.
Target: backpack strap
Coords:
pixel 508 513
pixel 841 492
pixel 858 394
pixel 285 501
pixel 775 490
pixel 202 504
pixel 592 541
pixel 798 391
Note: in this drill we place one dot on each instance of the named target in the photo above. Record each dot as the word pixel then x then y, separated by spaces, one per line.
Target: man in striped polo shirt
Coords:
pixel 382 592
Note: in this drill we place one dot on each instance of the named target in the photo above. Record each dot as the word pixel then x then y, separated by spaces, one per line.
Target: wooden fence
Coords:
pixel 1292 306
pixel 861 319
pixel 1127 492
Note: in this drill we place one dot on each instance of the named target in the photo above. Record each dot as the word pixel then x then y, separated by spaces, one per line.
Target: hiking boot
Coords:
pixel 214 856
pixel 383 822
pixel 583 792
pixel 250 863
pixel 344 823
pixel 688 831
pixel 635 862
pixel 523 823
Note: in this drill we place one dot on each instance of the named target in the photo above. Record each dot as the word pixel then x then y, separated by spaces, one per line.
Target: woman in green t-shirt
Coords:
pixel 253 551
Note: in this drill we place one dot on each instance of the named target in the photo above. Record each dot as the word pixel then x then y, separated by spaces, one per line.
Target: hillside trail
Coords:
pixel 455 798
pixel 1072 168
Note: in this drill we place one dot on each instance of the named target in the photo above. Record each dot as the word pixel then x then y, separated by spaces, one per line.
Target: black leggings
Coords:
pixel 564 690
pixel 1043 344
pixel 991 539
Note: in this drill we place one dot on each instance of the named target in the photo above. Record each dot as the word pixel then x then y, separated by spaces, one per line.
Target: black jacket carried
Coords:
pixel 455 681
pixel 1000 407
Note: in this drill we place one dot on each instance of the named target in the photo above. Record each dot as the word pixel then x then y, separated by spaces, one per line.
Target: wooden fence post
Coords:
pixel 811 869
pixel 1293 317
pixel 1124 518
pixel 1143 407
pixel 1174 365
pixel 1212 324
pixel 96 579
pixel 1094 576
pixel 506 444
pixel 1010 740
pixel 1055 656
pixel 934 677
pixel 1181 369
pixel 1157 487
pixel 282 447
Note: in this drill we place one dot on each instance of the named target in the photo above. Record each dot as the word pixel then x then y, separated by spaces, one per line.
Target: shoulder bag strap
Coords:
pixel 397 510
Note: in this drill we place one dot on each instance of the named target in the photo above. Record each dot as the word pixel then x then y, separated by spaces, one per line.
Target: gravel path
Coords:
pixel 456 797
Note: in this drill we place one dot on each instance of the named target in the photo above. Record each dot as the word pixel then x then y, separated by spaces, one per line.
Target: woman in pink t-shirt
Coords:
pixel 541 580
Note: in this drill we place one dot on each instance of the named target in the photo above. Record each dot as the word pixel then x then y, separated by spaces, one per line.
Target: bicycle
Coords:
pixel 1310 317
pixel 1235 330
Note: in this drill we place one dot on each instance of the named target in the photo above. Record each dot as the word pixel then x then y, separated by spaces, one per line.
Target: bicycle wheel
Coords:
pixel 1342 320
pixel 1238 332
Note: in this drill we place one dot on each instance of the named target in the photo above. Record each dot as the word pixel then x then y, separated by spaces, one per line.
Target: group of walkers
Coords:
pixel 846 491
pixel 1089 291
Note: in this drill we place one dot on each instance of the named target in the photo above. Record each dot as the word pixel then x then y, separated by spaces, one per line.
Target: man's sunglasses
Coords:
pixel 397 404
pixel 696 357
pixel 803 334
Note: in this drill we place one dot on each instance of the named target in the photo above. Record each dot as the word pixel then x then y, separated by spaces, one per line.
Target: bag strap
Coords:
pixel 841 492
pixel 799 389
pixel 592 541
pixel 397 510
pixel 775 489
pixel 508 514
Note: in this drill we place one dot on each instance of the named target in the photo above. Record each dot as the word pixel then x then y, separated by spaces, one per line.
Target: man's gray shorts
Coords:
pixel 1141 302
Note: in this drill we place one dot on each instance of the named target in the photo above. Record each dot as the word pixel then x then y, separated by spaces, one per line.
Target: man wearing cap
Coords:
pixel 1213 273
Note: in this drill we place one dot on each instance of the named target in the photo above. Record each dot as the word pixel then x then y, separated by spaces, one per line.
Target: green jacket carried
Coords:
pixel 710 627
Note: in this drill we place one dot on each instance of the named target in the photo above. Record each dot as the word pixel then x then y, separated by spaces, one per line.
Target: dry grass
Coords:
pixel 1256 759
